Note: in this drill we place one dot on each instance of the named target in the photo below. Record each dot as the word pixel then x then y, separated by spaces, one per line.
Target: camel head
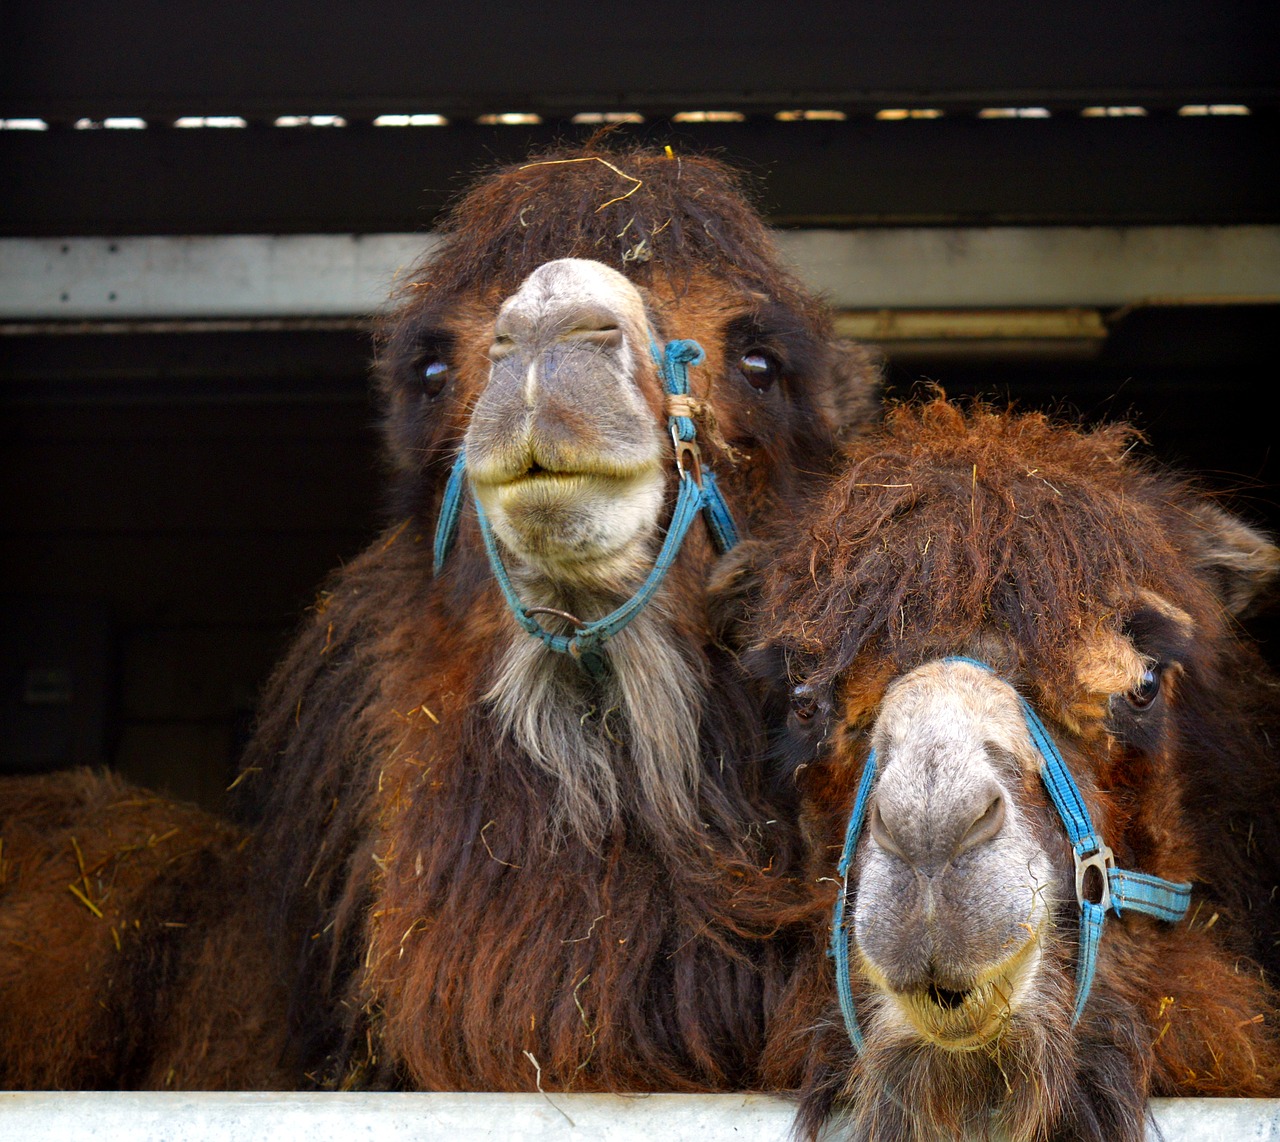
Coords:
pixel 527 339
pixel 987 617
pixel 533 343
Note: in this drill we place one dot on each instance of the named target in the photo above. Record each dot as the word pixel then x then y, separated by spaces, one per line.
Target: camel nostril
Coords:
pixel 986 827
pixel 606 336
pixel 883 837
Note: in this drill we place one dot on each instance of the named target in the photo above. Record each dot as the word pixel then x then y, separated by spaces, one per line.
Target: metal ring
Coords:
pixel 688 457
pixel 577 622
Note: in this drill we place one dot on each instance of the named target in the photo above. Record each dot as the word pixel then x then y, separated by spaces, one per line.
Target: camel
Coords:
pixel 1037 758
pixel 133 955
pixel 507 796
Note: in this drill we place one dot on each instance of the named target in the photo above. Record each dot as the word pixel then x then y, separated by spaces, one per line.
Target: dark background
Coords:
pixel 169 501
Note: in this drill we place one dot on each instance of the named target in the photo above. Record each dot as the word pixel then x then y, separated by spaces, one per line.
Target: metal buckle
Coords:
pixel 1103 860
pixel 688 457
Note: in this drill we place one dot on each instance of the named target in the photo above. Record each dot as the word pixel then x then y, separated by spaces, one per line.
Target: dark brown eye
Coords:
pixel 804 708
pixel 1144 693
pixel 808 709
pixel 435 375
pixel 760 369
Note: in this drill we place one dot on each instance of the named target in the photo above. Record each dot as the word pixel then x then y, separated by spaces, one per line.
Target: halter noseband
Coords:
pixel 698 492
pixel 1121 889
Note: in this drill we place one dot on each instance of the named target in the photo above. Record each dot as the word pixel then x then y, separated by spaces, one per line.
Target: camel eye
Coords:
pixel 1144 693
pixel 435 375
pixel 809 710
pixel 804 706
pixel 760 369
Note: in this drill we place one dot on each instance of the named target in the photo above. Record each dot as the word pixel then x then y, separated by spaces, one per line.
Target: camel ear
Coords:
pixel 734 591
pixel 1241 560
pixel 850 401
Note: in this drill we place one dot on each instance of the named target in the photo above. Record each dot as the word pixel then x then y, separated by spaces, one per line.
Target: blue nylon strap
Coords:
pixel 1091 917
pixel 450 509
pixel 1164 899
pixel 673 363
pixel 1063 790
pixel 839 942
pixel 715 511
pixel 1121 888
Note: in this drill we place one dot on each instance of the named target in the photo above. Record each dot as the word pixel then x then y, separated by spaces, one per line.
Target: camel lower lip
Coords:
pixel 984 1009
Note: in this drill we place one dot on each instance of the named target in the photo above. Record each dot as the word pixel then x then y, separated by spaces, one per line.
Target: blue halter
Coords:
pixel 1121 889
pixel 698 492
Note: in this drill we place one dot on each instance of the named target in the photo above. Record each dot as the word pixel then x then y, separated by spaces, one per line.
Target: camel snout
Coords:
pixel 930 838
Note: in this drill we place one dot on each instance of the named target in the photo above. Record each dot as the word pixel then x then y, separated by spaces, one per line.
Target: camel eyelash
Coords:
pixel 431 344
pixel 786 345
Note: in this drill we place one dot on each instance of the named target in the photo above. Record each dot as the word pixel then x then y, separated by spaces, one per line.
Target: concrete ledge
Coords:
pixel 351 275
pixel 187 1117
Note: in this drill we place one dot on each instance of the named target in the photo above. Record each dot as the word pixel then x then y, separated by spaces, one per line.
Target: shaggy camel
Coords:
pixel 506 794
pixel 1040 785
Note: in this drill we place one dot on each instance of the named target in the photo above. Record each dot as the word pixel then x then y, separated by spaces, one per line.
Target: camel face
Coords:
pixel 563 449
pixel 955 890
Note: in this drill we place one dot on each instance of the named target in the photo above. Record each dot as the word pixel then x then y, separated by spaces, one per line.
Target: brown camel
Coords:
pixel 967 578
pixel 507 795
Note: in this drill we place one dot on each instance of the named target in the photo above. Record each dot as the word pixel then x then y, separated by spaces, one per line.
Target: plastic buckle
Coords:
pixel 1103 860
pixel 688 457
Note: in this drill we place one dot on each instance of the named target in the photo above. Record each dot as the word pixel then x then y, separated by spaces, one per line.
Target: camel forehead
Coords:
pixel 569 280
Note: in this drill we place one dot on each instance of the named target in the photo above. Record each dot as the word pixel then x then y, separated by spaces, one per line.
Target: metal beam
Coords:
pixel 141 57
pixel 325 276
pixel 188 1117
pixel 957 170
pixel 244 276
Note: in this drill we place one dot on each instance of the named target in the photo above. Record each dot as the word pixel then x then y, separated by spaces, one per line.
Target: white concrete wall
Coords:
pixel 164 1117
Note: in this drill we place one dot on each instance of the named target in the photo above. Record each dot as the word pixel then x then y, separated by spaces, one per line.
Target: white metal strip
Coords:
pixel 1025 267
pixel 42 1116
pixel 239 276
pixel 346 275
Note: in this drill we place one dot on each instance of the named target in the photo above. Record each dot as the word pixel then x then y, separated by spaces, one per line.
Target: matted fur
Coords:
pixel 130 951
pixel 1024 542
pixel 493 872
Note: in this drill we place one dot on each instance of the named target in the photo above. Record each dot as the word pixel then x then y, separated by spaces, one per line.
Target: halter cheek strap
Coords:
pixel 1120 889
pixel 698 493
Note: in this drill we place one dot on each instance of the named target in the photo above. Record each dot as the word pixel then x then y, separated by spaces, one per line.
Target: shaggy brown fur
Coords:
pixel 1009 538
pixel 129 953
pixel 446 934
